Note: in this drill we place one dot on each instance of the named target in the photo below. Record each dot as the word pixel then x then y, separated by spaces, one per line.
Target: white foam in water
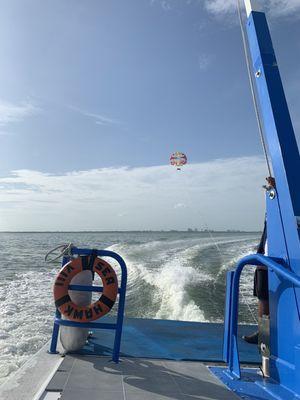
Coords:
pixel 236 251
pixel 26 318
pixel 173 274
pixel 171 281
pixel 246 281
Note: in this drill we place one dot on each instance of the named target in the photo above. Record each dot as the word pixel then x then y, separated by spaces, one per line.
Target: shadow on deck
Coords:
pixel 94 378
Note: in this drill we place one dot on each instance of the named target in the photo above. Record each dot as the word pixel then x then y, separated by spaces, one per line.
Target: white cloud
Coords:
pixel 274 7
pixel 227 192
pixel 10 112
pixel 102 119
pixel 180 205
pixel 165 4
pixel 99 119
pixel 284 7
pixel 220 6
pixel 204 61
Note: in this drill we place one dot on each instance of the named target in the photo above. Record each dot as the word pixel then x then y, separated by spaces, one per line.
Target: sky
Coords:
pixel 96 95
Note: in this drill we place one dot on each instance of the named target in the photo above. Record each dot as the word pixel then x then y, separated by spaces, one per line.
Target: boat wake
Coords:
pixel 180 280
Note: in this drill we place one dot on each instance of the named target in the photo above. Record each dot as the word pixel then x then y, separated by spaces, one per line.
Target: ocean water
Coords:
pixel 171 275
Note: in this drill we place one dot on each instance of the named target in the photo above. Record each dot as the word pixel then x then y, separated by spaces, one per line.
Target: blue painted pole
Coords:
pixel 121 307
pixel 120 317
pixel 53 345
pixel 279 132
pixel 227 317
pixel 253 260
pixel 283 203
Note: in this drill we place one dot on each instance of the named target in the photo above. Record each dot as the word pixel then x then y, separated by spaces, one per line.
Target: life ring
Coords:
pixel 95 310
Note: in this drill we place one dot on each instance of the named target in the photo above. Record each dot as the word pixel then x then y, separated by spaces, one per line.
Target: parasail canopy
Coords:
pixel 178 159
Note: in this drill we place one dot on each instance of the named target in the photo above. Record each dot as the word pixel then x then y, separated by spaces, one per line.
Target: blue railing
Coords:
pixel 95 325
pixel 230 344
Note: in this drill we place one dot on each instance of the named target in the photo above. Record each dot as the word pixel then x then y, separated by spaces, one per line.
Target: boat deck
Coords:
pixel 95 378
pixel 159 360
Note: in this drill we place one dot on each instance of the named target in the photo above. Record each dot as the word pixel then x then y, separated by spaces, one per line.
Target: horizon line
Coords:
pixel 137 230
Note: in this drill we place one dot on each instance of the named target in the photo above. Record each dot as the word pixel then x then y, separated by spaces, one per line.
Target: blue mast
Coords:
pixel 283 211
pixel 279 132
pixel 283 203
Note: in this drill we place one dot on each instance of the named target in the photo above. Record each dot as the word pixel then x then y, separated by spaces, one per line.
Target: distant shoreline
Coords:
pixel 135 231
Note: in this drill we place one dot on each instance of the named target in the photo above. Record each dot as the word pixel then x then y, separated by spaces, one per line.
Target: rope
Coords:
pixel 210 234
pixel 65 251
pixel 254 98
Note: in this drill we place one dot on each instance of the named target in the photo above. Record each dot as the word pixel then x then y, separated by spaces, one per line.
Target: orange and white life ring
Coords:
pixel 95 310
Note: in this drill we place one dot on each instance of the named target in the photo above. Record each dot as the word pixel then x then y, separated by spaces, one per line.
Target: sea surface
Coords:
pixel 171 275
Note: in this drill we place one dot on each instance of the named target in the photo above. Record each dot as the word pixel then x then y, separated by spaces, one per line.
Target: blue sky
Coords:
pixel 93 89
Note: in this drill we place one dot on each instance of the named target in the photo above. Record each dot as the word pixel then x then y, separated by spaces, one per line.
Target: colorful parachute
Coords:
pixel 178 159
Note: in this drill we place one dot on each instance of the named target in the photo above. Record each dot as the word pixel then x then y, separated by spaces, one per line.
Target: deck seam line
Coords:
pixel 67 380
pixel 123 387
pixel 172 377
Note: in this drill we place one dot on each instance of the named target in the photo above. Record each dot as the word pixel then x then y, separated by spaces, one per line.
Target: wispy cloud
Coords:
pixel 165 4
pixel 220 6
pixel 285 7
pixel 102 119
pixel 179 205
pixel 274 7
pixel 204 61
pixel 223 7
pixel 99 119
pixel 12 112
pixel 136 198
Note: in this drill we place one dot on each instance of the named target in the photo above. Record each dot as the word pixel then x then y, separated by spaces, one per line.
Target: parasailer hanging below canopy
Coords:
pixel 178 159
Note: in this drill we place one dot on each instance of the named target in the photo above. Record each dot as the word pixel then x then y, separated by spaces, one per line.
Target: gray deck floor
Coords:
pixel 97 378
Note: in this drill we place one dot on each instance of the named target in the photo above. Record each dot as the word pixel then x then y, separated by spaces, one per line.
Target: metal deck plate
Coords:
pixel 172 340
pixel 253 386
pixel 94 378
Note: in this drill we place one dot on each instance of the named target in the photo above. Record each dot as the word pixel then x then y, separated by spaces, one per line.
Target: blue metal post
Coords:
pixel 227 317
pixel 279 131
pixel 55 333
pixel 121 306
pixel 275 266
pixel 54 339
pixel 120 317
